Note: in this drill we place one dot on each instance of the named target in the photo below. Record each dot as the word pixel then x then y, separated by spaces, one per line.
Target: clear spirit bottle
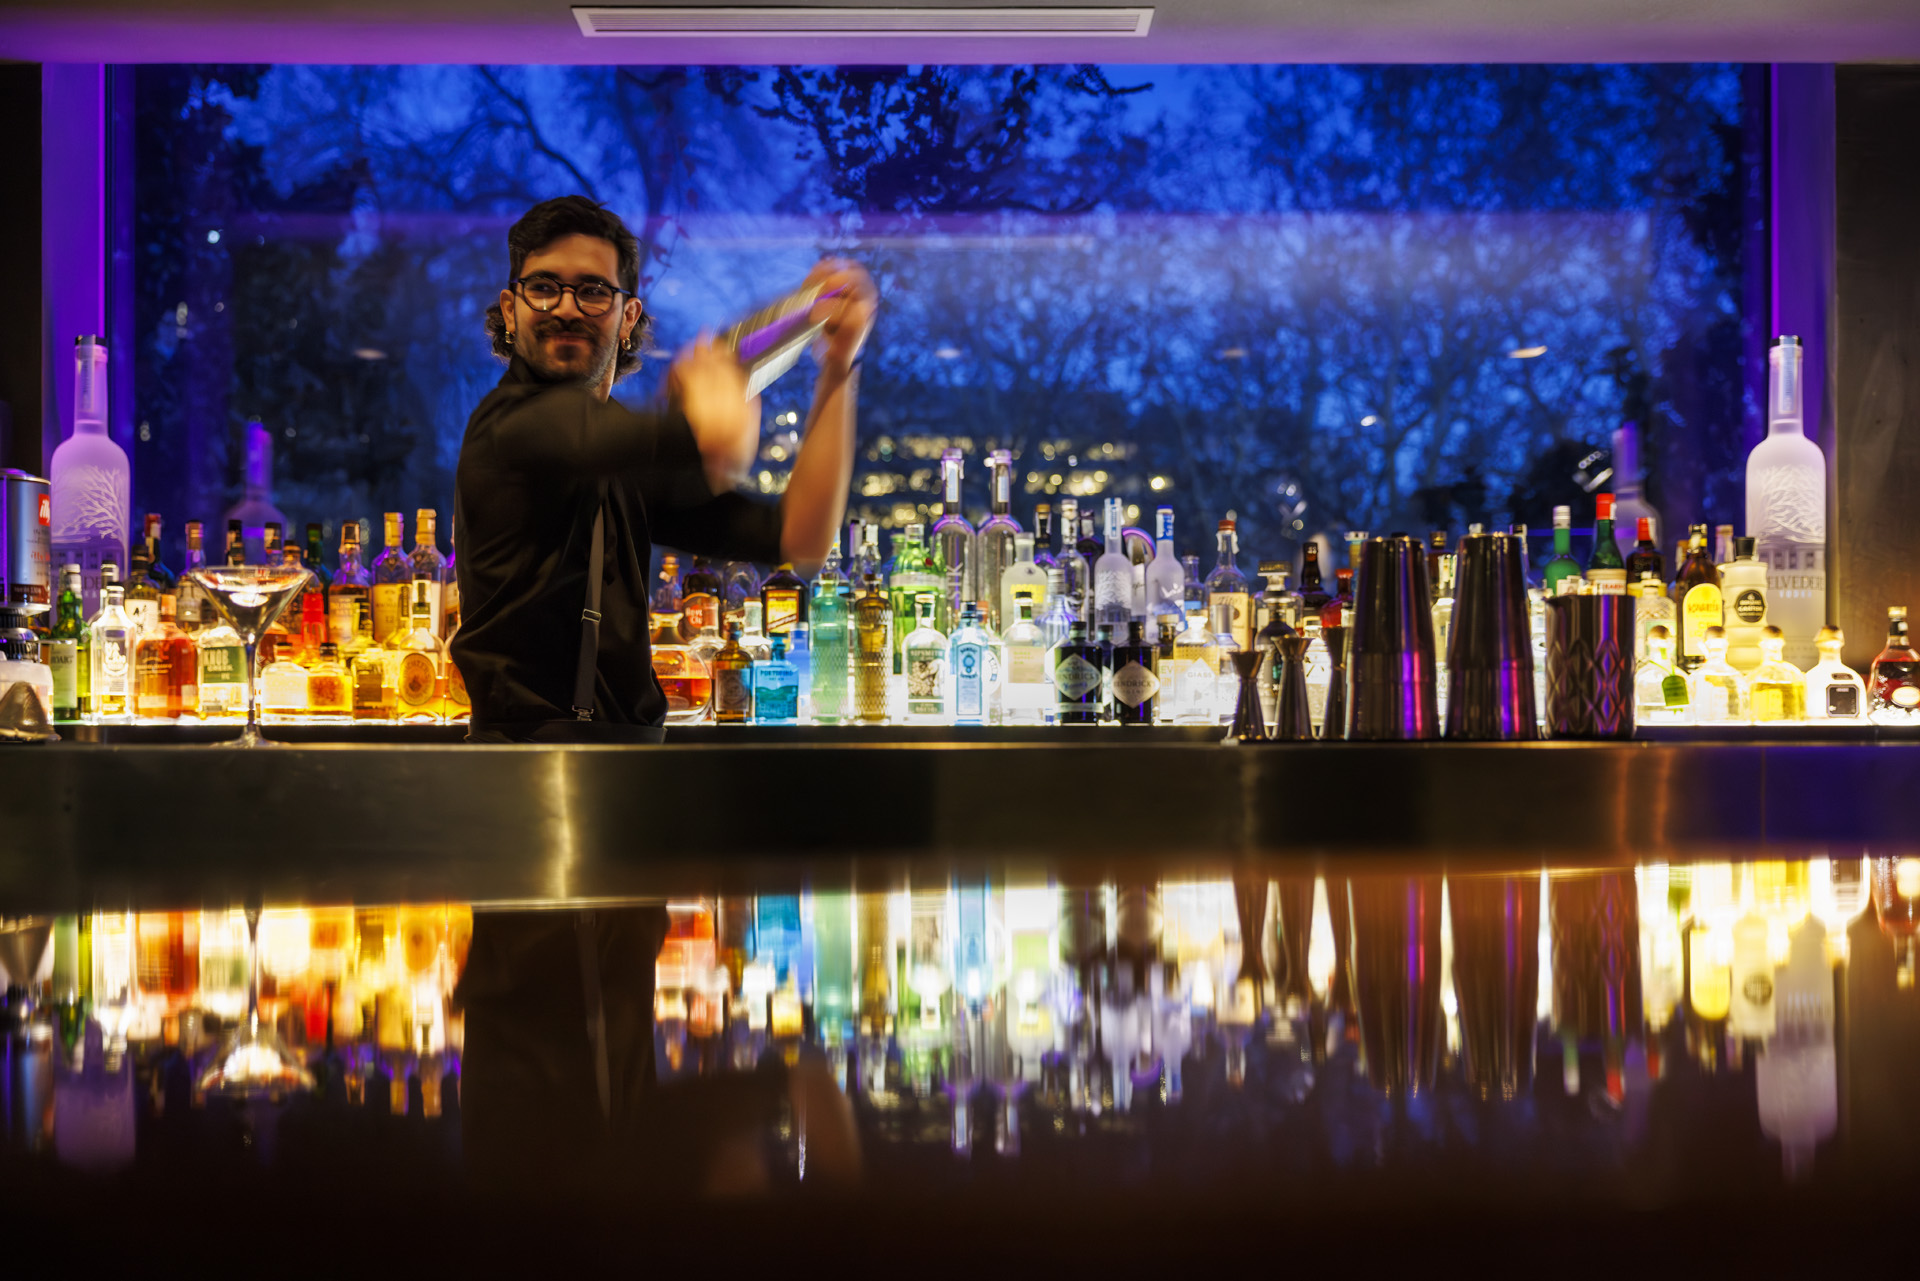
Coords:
pixel 91 482
pixel 953 537
pixel 1834 691
pixel 1651 607
pixel 111 640
pixel 1076 569
pixel 1229 603
pixel 994 544
pixel 1659 690
pixel 1194 589
pixel 350 599
pixel 1113 574
pixel 1787 507
pixel 1893 683
pixel 283 685
pixel 1778 689
pixel 925 656
pixel 1059 617
pixel 829 640
pixel 1029 696
pixel 1196 672
pixel 190 606
pixel 1166 578
pixel 776 687
pixel 1023 580
pixel 974 670
pixel 752 638
pixel 1717 689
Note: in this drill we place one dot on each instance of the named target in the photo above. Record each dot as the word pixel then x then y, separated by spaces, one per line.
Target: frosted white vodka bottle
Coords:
pixel 90 479
pixel 1787 509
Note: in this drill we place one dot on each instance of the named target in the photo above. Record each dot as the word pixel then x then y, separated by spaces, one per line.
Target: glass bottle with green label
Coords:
pixel 61 650
pixel 924 658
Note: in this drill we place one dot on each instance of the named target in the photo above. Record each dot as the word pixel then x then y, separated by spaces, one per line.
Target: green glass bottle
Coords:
pixel 1563 565
pixel 828 680
pixel 1606 569
pixel 64 645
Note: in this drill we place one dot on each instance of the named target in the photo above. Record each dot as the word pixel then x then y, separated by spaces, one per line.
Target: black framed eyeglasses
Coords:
pixel 543 293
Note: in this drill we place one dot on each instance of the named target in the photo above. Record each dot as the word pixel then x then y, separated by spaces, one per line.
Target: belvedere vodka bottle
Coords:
pixel 1787 509
pixel 91 501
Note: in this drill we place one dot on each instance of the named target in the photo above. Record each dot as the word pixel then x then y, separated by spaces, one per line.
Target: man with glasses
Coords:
pixel 548 454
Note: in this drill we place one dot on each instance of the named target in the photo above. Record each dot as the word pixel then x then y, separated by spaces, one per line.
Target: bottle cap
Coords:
pixel 1658 632
pixel 1743 548
pixel 1603 507
pixel 1563 518
pixel 1830 636
pixel 1646 529
pixel 1770 632
pixel 1715 633
pixel 329 650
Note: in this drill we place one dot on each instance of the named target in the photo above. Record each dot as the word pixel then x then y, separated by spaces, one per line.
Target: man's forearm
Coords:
pixel 816 497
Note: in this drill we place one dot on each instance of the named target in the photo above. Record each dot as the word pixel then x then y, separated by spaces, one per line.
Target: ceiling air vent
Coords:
pixel 803 21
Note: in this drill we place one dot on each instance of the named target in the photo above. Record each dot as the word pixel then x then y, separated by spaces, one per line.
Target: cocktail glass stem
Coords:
pixel 250 736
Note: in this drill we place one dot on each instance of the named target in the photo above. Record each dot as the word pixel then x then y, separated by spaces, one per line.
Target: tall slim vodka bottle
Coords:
pixel 953 538
pixel 1076 570
pixel 91 499
pixel 1166 578
pixel 1787 509
pixel 1113 575
pixel 993 545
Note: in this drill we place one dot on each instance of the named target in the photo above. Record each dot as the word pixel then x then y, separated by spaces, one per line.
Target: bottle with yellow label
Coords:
pixel 1696 590
pixel 419 660
pixel 392 573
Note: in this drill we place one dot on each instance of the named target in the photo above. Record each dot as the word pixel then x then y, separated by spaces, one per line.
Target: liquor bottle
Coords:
pixel 1893 683
pixel 700 596
pixel 1194 590
pixel 112 638
pixel 375 692
pixel 1606 571
pixel 1103 641
pixel 1028 698
pixel 1787 506
pixel 350 599
pixel 872 644
pixel 282 636
pixel 1113 574
pixel 1192 687
pixel 1135 684
pixel 419 658
pixel 1313 594
pixel 685 672
pixel 1743 592
pixel 915 573
pixel 90 480
pixel 1777 687
pixel 1166 579
pixel 255 510
pixel 1281 611
pixel 828 634
pixel 1630 506
pixel 1043 538
pixel 994 544
pixel 1076 569
pixel 1338 610
pixel 154 577
pixel 1076 678
pixel 392 575
pixel 220 657
pixel 974 670
pixel 283 681
pixel 1443 624
pixel 1563 563
pixel 313 558
pixel 1091 546
pixel 776 687
pixel 783 601
pixel 61 650
pixel 1696 590
pixel 162 661
pixel 953 537
pixel 1651 606
pixel 1057 620
pixel 1229 605
pixel 1436 548
pixel 753 637
pixel 1645 558
pixel 141 596
pixel 664 599
pixel 732 688
pixel 1024 580
pixel 925 657
pixel 1659 690
pixel 329 690
pixel 1717 690
pixel 428 559
pixel 1833 690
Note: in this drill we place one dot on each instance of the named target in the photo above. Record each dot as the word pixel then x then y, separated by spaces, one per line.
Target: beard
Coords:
pixel 584 363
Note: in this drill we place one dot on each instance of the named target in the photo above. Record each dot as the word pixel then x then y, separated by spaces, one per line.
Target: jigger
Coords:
pixel 1293 719
pixel 1392 695
pixel 1248 726
pixel 1490 645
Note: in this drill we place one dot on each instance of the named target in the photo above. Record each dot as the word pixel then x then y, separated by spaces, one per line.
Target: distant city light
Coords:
pixel 1527 353
pixel 213 237
pixel 369 353
pixel 1368 421
pixel 1157 484
pixel 1233 353
pixel 947 353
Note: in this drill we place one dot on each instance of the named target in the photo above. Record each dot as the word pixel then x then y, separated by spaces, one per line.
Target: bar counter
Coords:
pixel 151 826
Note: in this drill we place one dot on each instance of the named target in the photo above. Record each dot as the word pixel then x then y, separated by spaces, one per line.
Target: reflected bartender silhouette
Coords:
pixel 561 493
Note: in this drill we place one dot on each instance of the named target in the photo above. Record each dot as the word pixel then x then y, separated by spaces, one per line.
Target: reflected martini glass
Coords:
pixel 250 598
pixel 253 1062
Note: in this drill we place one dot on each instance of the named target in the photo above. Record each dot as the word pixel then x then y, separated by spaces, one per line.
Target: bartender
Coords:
pixel 547 454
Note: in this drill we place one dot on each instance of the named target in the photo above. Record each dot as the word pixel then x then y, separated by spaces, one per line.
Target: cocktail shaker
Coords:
pixel 768 341
pixel 1590 667
pixel 1392 695
pixel 1490 649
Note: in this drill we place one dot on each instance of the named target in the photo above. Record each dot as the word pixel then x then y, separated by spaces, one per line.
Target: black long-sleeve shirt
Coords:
pixel 531 470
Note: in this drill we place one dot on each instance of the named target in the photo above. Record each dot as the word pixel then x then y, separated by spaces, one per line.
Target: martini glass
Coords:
pixel 250 598
pixel 253 1061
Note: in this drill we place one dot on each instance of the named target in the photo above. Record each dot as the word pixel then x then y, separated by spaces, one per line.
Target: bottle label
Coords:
pixel 1134 685
pixel 326 692
pixel 1608 582
pixel 1843 700
pixel 1750 606
pixel 145 613
pixel 345 614
pixel 969 681
pixel 782 611
pixel 1905 696
pixel 1228 615
pixel 419 679
pixel 1026 665
pixel 700 611
pixel 389 609
pixel 369 683
pixel 63 658
pixel 730 692
pixel 110 654
pixel 1699 611
pixel 223 665
pixel 1074 678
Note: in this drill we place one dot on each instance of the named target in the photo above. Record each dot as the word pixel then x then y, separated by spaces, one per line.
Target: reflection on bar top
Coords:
pixel 984 1017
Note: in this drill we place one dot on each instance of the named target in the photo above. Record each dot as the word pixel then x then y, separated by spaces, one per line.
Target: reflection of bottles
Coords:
pixel 167 953
pixel 1896 898
pixel 1750 1010
pixel 1396 978
pixel 1787 507
pixel 91 498
pixel 1796 1078
pixel 1496 976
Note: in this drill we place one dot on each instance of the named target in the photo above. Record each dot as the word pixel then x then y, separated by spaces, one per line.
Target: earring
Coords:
pixel 509 337
pixel 626 344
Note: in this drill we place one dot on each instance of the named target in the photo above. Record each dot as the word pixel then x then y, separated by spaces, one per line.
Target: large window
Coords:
pixel 1321 297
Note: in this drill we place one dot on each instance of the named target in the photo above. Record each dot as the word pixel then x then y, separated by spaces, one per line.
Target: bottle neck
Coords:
pixel 1225 560
pixel 1562 541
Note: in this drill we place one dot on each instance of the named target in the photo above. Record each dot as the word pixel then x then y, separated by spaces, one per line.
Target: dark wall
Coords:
pixel 20 296
pixel 1876 364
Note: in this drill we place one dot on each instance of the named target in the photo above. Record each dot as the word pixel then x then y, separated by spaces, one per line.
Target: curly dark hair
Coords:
pixel 547 222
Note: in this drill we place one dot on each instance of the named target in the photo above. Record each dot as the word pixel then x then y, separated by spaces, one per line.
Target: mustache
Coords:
pixel 548 328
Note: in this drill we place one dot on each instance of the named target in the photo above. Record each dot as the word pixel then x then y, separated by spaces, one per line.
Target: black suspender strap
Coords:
pixel 589 665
